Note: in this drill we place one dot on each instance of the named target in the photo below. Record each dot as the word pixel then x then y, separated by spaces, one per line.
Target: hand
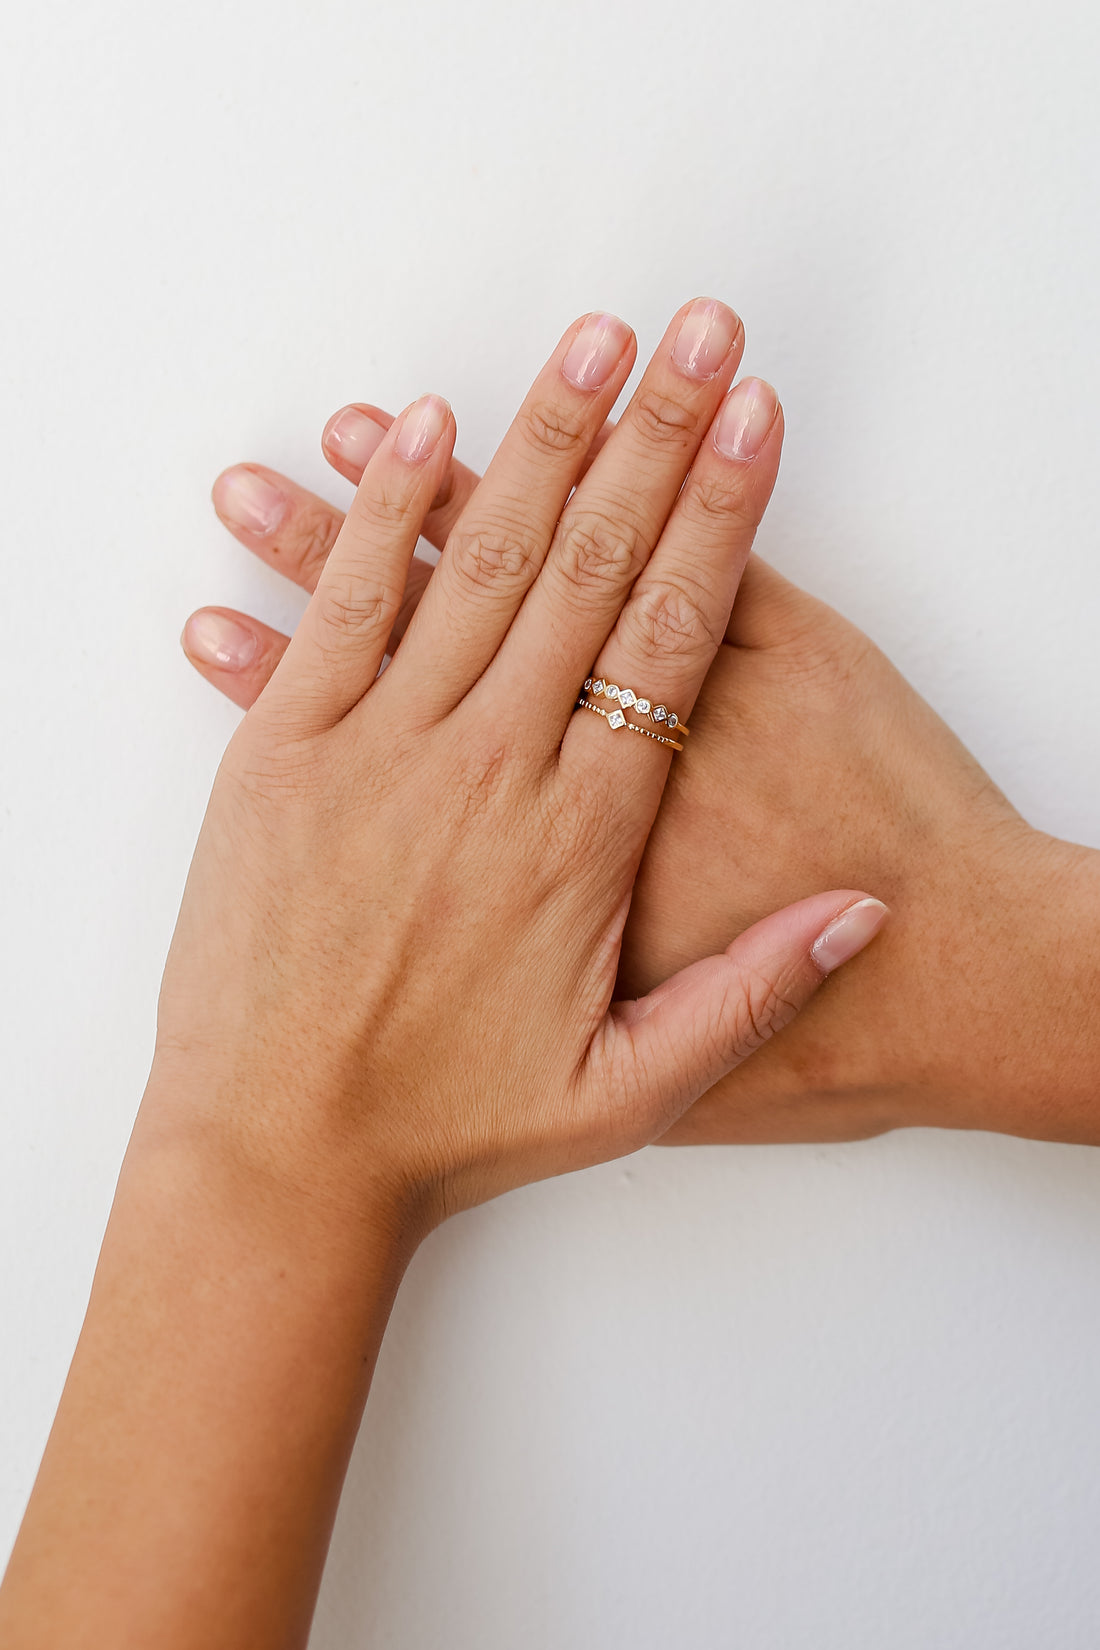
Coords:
pixel 821 764
pixel 389 991
pixel 400 937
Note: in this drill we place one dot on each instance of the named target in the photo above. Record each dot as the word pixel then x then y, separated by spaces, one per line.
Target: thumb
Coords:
pixel 659 1053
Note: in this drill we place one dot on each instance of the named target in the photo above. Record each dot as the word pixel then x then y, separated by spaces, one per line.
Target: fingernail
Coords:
pixel 848 933
pixel 248 501
pixel 746 417
pixel 422 425
pixel 353 437
pixel 707 334
pixel 216 639
pixel 595 352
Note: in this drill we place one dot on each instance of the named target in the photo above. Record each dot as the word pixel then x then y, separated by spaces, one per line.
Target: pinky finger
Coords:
pixel 235 653
pixel 238 654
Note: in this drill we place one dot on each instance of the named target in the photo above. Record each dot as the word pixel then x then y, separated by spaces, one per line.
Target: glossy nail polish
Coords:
pixel 248 501
pixel 421 427
pixel 707 333
pixel 747 415
pixel 352 437
pixel 595 352
pixel 848 934
pixel 216 639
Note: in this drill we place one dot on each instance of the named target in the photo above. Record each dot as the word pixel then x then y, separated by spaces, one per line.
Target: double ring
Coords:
pixel 625 699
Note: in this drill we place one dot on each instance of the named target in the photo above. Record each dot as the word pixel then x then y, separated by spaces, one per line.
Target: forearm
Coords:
pixel 192 1475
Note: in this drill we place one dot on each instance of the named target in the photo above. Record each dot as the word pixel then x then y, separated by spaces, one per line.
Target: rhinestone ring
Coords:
pixel 629 700
pixel 616 719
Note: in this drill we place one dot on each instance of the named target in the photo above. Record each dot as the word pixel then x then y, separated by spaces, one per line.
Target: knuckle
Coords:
pixel 350 608
pixel 762 1010
pixel 659 418
pixel 552 428
pixel 492 556
pixel 595 549
pixel 711 500
pixel 666 617
pixel 315 536
pixel 386 507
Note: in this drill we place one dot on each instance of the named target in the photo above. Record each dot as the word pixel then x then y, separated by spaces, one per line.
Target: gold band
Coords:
pixel 629 700
pixel 616 719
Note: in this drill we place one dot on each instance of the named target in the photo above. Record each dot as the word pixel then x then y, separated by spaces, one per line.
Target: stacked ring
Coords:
pixel 616 719
pixel 629 700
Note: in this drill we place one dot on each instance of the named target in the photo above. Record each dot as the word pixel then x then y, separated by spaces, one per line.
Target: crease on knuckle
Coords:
pixel 487 557
pixel 314 538
pixel 598 550
pixel 661 419
pixel 666 617
pixel 712 500
pixel 383 508
pixel 555 429
pixel 762 1010
pixel 352 608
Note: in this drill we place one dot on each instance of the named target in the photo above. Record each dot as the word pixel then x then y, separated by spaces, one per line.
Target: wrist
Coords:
pixel 277 1149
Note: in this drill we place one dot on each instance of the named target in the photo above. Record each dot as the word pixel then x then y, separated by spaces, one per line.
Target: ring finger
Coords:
pixel 664 641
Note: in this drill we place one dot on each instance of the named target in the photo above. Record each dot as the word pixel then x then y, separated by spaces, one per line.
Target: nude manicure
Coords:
pixel 595 352
pixel 746 417
pixel 246 500
pixel 707 333
pixel 353 437
pixel 848 934
pixel 421 428
pixel 216 639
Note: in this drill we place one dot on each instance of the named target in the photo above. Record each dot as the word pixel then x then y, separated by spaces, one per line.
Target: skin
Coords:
pixel 813 761
pixel 391 989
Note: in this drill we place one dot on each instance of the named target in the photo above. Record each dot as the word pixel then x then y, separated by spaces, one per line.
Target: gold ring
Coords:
pixel 616 719
pixel 629 700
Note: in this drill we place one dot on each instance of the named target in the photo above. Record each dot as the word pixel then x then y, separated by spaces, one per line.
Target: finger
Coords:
pixel 498 545
pixel 335 654
pixel 353 434
pixel 657 657
pixel 285 525
pixel 237 654
pixel 614 520
pixel 656 1055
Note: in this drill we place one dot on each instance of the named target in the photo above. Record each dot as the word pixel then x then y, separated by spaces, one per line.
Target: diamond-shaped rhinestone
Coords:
pixel 673 719
pixel 616 719
pixel 660 714
pixel 611 690
pixel 642 706
pixel 598 686
pixel 627 697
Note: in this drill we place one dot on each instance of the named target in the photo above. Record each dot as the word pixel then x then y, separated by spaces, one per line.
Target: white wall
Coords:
pixel 817 1398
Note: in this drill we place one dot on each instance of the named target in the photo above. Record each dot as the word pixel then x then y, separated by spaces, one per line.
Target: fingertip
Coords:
pixel 353 435
pixel 847 934
pixel 213 639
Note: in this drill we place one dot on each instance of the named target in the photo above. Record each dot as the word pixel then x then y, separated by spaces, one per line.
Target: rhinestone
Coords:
pixel 598 686
pixel 611 690
pixel 672 719
pixel 616 719
pixel 642 707
pixel 627 697
pixel 588 685
pixel 660 714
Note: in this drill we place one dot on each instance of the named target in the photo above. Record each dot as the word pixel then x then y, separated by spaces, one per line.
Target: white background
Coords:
pixel 805 1398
